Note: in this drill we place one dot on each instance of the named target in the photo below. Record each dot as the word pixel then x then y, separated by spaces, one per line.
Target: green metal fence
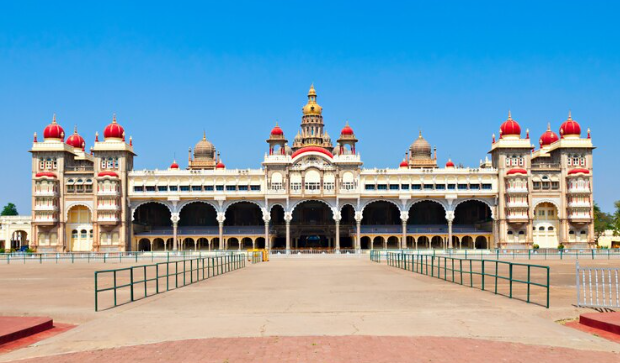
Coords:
pixel 138 282
pixel 104 257
pixel 509 254
pixel 487 275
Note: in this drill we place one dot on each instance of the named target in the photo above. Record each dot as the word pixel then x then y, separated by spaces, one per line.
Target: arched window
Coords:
pixel 509 233
pixel 550 229
pixel 521 232
pixel 83 233
pixel 74 233
pixel 541 228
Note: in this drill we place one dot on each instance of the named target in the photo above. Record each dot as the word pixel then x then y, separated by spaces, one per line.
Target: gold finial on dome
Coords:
pixel 312 91
pixel 569 115
pixel 312 108
pixel 420 134
pixel 204 135
pixel 114 118
pixel 509 115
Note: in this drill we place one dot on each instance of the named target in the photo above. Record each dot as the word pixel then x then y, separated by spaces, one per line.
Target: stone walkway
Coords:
pixel 334 300
pixel 341 349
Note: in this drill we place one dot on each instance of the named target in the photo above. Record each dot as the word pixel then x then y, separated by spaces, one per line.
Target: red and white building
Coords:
pixel 312 194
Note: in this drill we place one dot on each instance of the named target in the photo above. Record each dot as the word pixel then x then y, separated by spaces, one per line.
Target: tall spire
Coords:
pixel 509 115
pixel 204 135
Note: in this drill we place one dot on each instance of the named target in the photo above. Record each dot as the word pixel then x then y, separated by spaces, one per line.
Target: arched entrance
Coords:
pixel 546 225
pixel 278 227
pixel 19 239
pixel 79 229
pixel 144 244
pixel 152 217
pixel 312 226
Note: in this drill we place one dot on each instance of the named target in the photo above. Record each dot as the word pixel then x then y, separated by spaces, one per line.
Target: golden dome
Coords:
pixel 312 108
pixel 204 149
pixel 420 149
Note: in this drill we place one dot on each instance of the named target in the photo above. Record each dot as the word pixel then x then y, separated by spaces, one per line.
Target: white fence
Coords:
pixel 597 287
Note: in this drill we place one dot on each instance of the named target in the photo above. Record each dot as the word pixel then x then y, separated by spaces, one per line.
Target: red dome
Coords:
pixel 570 127
pixel 579 171
pixel 548 138
pixel 510 127
pixel 220 165
pixel 114 130
pixel 449 164
pixel 404 164
pixel 108 173
pixel 76 140
pixel 54 131
pixel 46 174
pixel 516 171
pixel 277 131
pixel 312 148
pixel 346 130
pixel 174 165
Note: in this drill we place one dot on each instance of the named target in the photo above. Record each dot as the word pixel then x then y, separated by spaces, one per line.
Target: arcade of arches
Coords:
pixel 311 225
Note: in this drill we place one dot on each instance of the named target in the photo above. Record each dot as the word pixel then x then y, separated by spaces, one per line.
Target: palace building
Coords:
pixel 312 193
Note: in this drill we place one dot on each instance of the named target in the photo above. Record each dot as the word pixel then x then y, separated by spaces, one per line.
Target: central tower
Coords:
pixel 312 133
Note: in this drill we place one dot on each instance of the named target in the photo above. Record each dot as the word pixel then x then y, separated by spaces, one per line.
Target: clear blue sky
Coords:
pixel 170 70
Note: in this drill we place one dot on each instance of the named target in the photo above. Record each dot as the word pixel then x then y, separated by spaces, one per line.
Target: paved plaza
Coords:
pixel 301 309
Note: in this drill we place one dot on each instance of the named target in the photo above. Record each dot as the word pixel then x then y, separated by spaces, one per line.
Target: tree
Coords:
pixel 10 210
pixel 616 219
pixel 602 222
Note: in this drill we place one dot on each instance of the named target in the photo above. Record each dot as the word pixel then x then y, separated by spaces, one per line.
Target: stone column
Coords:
pixel 287 219
pixel 175 222
pixel 404 217
pixel 266 219
pixel 358 237
pixel 450 219
pixel 220 221
pixel 337 218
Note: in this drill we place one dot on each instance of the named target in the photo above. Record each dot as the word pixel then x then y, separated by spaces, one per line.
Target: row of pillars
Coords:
pixel 288 217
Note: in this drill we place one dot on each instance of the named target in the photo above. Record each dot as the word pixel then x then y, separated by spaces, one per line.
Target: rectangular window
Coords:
pixel 474 186
pixel 369 187
pixel 88 188
pixel 440 186
pixel 231 188
pixel 462 186
pixel 150 188
pixel 394 186
pixel 555 185
pixel 138 189
pixel 486 186
pixel 185 188
pixel 196 188
pixel 416 186
pixel 219 188
pixel 546 185
pixel 71 189
pixel 451 186
pixel 208 188
pixel 173 188
pixel 381 186
pixel 536 185
pixel 429 187
pixel 404 186
pixel 162 188
pixel 243 188
pixel 255 188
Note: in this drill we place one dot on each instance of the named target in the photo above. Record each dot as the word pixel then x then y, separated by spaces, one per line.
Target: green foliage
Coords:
pixel 560 246
pixel 616 219
pixel 1 250
pixel 535 246
pixel 9 210
pixel 602 222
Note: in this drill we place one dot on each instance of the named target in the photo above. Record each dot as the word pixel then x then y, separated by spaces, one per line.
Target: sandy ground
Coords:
pixel 292 297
